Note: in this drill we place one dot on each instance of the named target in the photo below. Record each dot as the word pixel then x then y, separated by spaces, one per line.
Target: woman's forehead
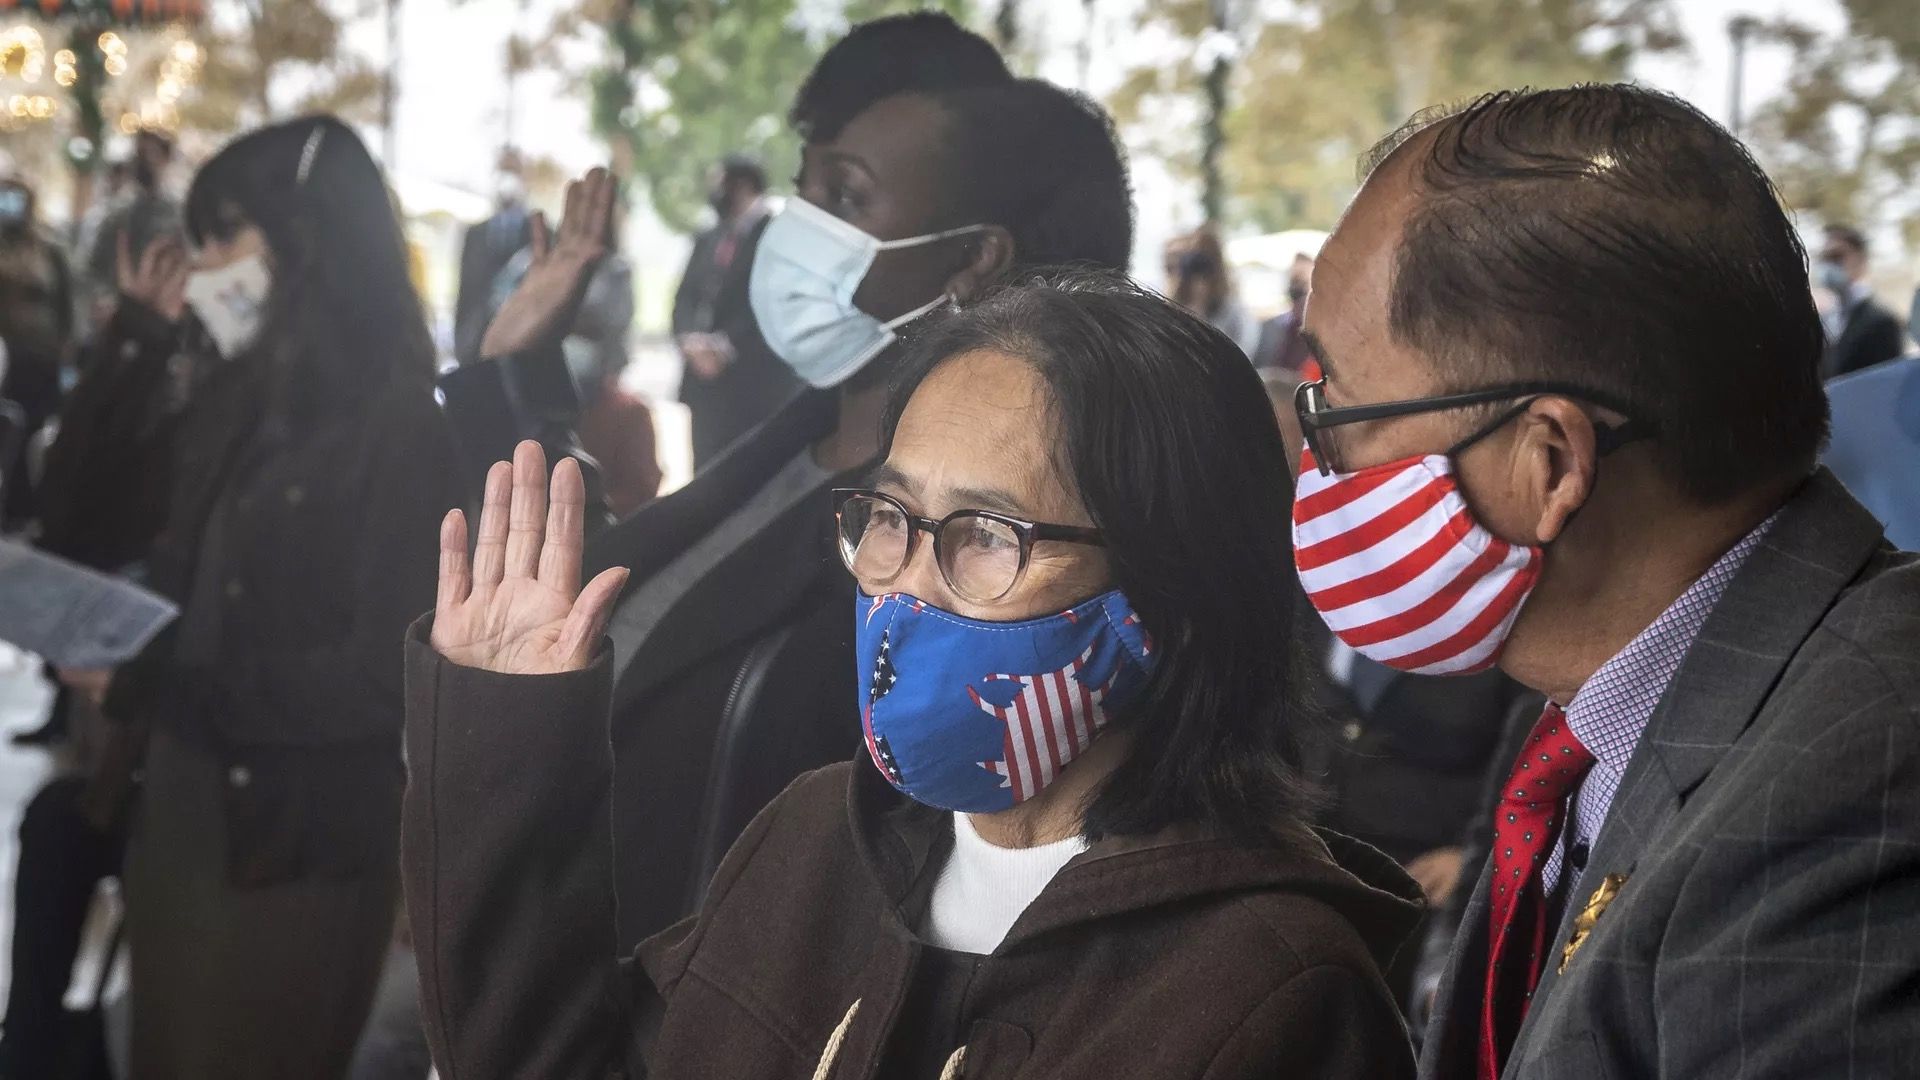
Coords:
pixel 983 422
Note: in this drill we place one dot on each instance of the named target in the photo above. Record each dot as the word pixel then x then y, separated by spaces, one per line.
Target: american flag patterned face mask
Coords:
pixel 977 716
pixel 1401 570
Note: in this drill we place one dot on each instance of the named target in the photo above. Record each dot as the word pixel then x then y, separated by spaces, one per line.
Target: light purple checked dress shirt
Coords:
pixel 1610 712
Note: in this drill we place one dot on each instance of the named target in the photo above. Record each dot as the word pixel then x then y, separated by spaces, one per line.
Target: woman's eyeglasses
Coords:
pixel 982 555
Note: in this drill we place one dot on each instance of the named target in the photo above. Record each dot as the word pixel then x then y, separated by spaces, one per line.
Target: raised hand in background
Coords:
pixel 542 308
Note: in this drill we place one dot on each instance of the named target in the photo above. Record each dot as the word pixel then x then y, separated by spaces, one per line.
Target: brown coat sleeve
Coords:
pixel 1326 1021
pixel 507 861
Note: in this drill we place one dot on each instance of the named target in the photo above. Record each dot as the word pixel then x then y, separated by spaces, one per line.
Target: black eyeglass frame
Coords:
pixel 1608 437
pixel 1028 533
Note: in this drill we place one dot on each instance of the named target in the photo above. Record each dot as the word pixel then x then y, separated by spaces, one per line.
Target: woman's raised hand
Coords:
pixel 542 307
pixel 516 606
pixel 158 278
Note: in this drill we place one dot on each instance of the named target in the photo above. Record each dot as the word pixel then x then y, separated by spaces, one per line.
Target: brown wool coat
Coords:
pixel 1169 956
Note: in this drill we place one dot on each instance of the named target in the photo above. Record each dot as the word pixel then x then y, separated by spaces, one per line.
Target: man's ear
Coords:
pixel 993 255
pixel 1559 459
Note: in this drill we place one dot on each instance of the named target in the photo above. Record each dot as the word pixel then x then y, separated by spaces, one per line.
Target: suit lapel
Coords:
pixel 1453 1031
pixel 1820 543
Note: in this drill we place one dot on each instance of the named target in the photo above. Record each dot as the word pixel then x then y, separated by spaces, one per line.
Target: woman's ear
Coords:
pixel 993 255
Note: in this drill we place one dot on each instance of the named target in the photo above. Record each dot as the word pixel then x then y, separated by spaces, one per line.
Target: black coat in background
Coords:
pixel 1872 336
pixel 712 298
pixel 325 551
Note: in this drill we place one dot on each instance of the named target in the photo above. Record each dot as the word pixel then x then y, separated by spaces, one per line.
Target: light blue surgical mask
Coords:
pixel 806 270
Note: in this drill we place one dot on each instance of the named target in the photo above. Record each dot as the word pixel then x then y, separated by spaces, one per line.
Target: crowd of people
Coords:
pixel 1472 671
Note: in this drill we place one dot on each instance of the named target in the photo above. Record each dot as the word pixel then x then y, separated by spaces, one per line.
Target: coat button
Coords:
pixel 1350 731
pixel 296 495
pixel 239 776
pixel 235 589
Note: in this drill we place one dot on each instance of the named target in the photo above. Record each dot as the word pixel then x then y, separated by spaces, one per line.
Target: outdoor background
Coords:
pixel 1246 112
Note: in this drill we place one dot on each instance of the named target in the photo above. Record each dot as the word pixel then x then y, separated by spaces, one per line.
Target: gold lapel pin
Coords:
pixel 1590 914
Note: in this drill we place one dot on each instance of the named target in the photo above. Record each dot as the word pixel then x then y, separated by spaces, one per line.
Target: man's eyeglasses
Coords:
pixel 981 554
pixel 1316 416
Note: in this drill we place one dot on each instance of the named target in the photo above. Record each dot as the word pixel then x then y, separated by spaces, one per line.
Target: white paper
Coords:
pixel 73 616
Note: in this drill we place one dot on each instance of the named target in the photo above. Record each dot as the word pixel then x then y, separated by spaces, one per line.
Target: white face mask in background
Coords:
pixel 805 272
pixel 231 302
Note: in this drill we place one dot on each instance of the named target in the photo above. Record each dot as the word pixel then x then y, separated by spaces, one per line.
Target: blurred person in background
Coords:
pixel 614 425
pixel 730 380
pixel 1860 331
pixel 1281 347
pixel 114 187
pixel 1875 448
pixel 145 209
pixel 1202 283
pixel 485 250
pixel 262 866
pixel 104 498
pixel 1404 764
pixel 36 325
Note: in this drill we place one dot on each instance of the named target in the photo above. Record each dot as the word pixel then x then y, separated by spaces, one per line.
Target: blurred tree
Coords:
pixel 688 81
pixel 270 59
pixel 1843 140
pixel 1315 83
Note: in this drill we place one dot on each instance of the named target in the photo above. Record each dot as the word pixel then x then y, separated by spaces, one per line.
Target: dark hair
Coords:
pixel 160 140
pixel 1615 237
pixel 1203 261
pixel 1168 439
pixel 743 169
pixel 1850 236
pixel 924 51
pixel 1045 164
pixel 343 316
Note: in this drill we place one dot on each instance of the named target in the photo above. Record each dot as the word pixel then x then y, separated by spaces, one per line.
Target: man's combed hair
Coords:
pixel 1614 237
pixel 1167 437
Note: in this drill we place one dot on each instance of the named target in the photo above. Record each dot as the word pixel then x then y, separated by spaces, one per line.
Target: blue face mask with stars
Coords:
pixel 978 716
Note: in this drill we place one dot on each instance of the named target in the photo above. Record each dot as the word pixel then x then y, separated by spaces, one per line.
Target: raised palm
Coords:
pixel 516 606
pixel 542 307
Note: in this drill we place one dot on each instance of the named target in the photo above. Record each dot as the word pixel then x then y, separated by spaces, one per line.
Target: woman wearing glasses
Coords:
pixel 1070 846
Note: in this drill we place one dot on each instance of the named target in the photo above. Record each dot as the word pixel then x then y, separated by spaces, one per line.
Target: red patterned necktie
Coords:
pixel 1526 824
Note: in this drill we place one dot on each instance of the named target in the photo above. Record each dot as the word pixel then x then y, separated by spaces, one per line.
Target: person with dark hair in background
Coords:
pixel 1281 347
pixel 731 381
pixel 731 639
pixel 1860 332
pixel 36 333
pixel 1570 422
pixel 1201 282
pixel 1071 846
pixel 262 868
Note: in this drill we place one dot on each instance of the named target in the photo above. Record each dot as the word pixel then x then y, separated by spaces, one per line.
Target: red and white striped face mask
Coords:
pixel 1400 569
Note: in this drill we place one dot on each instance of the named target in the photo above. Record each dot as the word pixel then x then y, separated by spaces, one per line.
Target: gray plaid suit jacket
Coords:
pixel 1769 828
